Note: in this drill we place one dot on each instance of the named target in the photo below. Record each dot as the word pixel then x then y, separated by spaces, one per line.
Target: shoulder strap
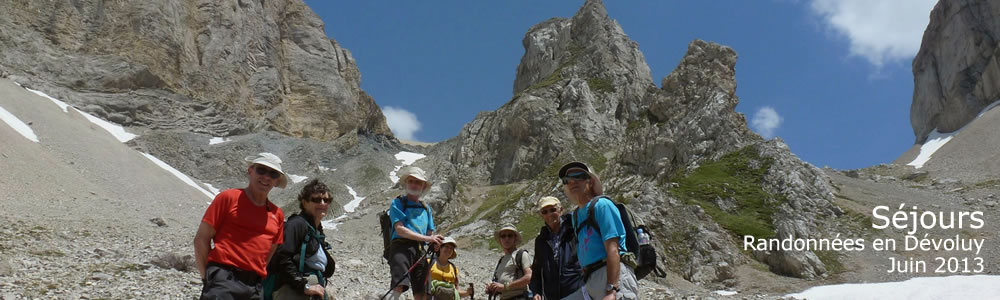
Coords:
pixel 590 220
pixel 454 269
pixel 496 276
pixel 312 234
pixel 520 265
pixel 406 205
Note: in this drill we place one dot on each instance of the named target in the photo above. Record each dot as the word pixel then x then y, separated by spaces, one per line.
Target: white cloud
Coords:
pixel 765 121
pixel 402 122
pixel 880 31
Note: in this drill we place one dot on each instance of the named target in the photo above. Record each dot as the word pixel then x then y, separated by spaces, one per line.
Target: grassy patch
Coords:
pixel 601 85
pixel 676 249
pixel 831 260
pixel 556 75
pixel 918 177
pixel 48 253
pixel 529 225
pixel 845 197
pixel 987 183
pixel 635 124
pixel 738 175
pixel 492 243
pixel 862 221
pixel 580 151
pixel 505 200
pixel 497 200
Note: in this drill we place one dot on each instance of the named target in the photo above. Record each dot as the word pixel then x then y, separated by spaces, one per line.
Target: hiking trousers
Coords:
pixel 598 281
pixel 228 283
pixel 403 254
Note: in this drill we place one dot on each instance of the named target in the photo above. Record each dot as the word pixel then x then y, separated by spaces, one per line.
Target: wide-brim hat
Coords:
pixel 449 240
pixel 271 161
pixel 414 172
pixel 510 228
pixel 571 165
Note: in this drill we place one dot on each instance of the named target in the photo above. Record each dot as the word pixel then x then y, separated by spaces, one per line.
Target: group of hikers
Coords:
pixel 257 254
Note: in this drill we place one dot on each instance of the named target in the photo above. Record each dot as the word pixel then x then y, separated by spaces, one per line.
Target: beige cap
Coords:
pixel 546 201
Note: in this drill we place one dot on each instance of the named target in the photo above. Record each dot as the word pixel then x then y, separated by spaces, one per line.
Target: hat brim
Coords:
pixel 282 181
pixel 546 202
pixel 402 181
pixel 454 248
pixel 571 165
pixel 496 235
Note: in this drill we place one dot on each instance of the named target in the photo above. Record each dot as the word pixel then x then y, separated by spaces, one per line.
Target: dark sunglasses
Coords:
pixel 575 176
pixel 549 210
pixel 507 235
pixel 262 170
pixel 321 199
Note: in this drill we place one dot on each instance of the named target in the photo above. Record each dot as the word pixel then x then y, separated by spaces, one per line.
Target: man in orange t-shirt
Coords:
pixel 246 229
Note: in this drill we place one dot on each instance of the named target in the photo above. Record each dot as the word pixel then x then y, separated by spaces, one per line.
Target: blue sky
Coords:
pixel 832 78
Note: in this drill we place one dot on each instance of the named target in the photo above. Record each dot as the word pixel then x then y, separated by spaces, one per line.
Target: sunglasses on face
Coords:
pixel 321 199
pixel 546 211
pixel 262 170
pixel 575 176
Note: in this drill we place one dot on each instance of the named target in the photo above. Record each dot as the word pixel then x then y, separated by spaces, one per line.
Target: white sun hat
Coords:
pixel 271 161
pixel 414 172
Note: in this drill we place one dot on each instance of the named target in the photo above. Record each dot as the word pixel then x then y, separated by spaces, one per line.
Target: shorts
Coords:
pixel 402 254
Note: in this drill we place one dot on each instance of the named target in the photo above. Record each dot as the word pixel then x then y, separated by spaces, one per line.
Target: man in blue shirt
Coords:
pixel 605 275
pixel 413 226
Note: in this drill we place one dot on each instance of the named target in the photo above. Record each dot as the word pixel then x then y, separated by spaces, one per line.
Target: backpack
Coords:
pixel 645 257
pixel 268 284
pixel 386 224
pixel 518 254
pixel 445 290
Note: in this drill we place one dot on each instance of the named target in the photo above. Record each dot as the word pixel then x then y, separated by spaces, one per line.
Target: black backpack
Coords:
pixel 645 257
pixel 386 224
pixel 518 254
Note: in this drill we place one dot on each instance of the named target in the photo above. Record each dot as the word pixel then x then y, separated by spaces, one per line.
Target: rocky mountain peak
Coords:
pixel 956 72
pixel 589 45
pixel 704 66
pixel 578 80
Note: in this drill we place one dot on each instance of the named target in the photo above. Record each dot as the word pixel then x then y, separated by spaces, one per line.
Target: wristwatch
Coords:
pixel 306 288
pixel 611 287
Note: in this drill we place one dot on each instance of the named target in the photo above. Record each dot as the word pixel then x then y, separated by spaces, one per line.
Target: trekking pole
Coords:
pixel 541 275
pixel 472 289
pixel 427 277
pixel 405 275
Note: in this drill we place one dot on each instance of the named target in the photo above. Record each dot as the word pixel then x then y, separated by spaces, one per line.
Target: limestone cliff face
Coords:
pixel 956 73
pixel 216 67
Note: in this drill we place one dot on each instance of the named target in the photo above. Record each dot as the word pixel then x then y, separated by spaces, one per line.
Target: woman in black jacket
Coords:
pixel 302 273
pixel 556 272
